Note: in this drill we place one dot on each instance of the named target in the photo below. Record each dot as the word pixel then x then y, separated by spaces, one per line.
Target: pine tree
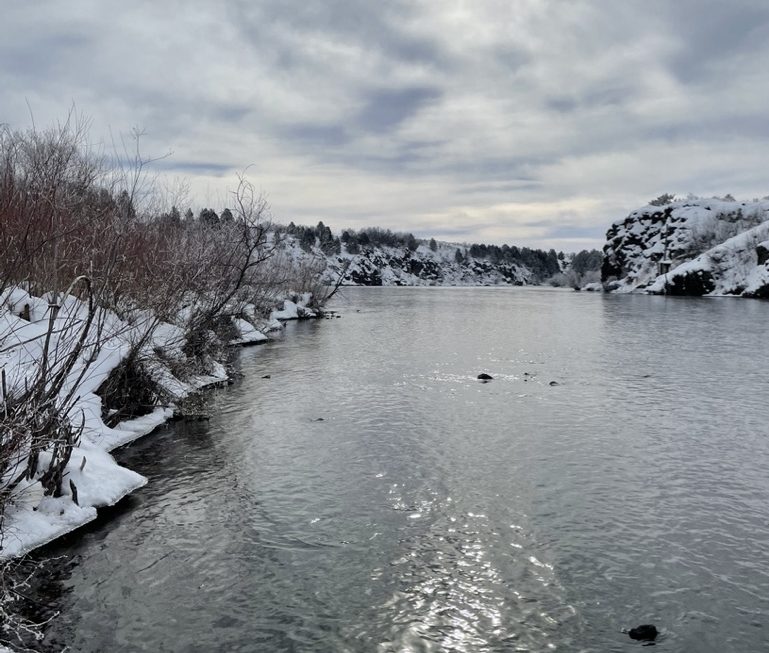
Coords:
pixel 208 217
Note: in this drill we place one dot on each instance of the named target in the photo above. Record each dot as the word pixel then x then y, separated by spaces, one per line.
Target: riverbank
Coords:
pixel 33 514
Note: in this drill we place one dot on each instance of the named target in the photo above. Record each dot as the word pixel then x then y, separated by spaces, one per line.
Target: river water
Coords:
pixel 373 495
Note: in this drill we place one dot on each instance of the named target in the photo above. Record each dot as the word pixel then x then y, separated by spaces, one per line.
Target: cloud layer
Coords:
pixel 533 122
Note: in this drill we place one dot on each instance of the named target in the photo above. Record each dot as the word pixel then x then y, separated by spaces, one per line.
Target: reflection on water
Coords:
pixel 430 512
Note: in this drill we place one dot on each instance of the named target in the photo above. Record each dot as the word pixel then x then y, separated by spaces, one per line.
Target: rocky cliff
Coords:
pixel 420 265
pixel 690 247
pixel 399 266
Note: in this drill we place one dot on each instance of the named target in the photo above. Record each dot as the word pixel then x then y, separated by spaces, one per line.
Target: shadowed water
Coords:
pixel 430 512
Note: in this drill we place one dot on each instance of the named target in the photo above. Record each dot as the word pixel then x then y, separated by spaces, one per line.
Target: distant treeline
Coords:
pixel 321 236
pixel 586 261
pixel 542 263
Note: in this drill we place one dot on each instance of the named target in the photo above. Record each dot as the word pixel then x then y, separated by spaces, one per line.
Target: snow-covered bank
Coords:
pixel 91 477
pixel 691 247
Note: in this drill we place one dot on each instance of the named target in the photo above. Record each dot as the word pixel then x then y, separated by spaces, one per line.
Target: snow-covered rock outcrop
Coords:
pixel 382 265
pixel 399 266
pixel 690 247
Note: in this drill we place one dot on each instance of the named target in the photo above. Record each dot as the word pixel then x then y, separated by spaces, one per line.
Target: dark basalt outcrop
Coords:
pixel 690 283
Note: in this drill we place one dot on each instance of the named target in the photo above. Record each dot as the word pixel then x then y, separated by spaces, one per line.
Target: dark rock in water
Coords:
pixel 645 633
pixel 485 377
pixel 266 376
pixel 319 419
pixel 553 383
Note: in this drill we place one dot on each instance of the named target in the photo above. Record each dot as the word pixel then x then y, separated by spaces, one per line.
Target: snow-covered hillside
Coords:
pixel 381 265
pixel 398 266
pixel 690 247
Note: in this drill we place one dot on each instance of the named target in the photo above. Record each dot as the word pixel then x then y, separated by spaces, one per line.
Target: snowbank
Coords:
pixel 248 334
pixel 92 476
pixel 294 310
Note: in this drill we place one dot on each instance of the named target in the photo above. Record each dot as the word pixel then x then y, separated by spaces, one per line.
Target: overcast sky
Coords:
pixel 531 122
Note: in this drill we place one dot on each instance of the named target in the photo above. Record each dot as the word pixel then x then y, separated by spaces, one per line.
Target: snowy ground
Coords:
pixel 32 519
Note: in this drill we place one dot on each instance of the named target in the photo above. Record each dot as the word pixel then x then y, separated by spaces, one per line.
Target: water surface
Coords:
pixel 372 495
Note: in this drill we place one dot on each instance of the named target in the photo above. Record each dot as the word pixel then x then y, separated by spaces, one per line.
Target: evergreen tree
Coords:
pixel 433 245
pixel 173 217
pixel 307 239
pixel 208 217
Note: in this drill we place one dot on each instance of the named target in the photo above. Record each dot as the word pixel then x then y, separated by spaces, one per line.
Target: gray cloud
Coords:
pixel 534 123
pixel 712 33
pixel 196 167
pixel 385 109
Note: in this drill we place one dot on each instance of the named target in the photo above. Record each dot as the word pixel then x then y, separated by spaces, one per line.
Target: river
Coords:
pixel 373 495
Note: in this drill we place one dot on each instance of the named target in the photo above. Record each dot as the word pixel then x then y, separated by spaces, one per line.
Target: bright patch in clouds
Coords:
pixel 534 123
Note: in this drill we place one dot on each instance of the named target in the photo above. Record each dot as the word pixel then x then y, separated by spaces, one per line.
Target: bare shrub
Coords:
pixel 66 215
pixel 17 629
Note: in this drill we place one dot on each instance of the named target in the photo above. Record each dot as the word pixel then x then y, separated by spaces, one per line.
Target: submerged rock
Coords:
pixel 485 377
pixel 645 633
